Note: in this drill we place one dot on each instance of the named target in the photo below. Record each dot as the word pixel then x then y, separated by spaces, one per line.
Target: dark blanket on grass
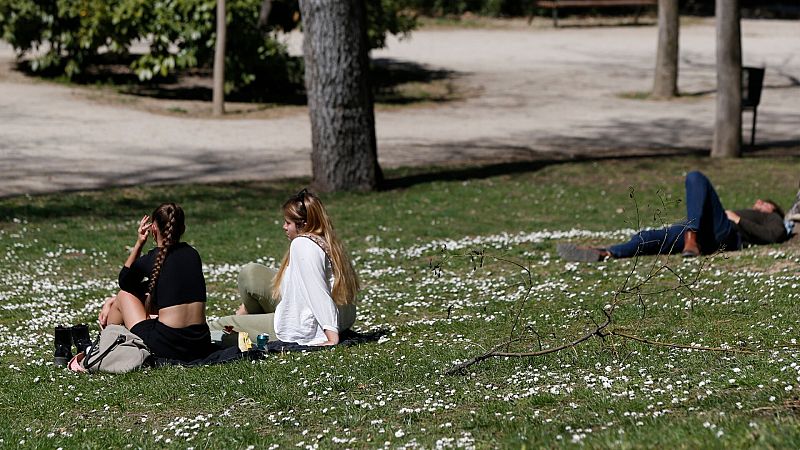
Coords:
pixel 230 354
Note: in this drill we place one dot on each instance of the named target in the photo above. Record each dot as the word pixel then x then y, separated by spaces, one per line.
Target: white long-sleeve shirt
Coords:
pixel 306 308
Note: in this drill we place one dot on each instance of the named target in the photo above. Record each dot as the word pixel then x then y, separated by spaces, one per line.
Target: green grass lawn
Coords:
pixel 62 254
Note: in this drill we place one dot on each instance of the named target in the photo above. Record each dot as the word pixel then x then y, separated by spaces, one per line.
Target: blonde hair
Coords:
pixel 308 214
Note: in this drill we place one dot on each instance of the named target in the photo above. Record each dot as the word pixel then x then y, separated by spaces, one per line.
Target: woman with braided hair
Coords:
pixel 163 293
pixel 310 299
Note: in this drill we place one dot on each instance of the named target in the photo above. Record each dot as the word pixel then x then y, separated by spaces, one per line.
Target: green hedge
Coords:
pixel 66 37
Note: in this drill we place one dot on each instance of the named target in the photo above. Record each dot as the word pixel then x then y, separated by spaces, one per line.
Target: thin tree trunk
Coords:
pixel 340 103
pixel 665 83
pixel 218 96
pixel 728 123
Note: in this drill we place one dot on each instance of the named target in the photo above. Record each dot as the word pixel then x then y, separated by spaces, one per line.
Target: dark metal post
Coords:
pixel 555 15
pixel 752 85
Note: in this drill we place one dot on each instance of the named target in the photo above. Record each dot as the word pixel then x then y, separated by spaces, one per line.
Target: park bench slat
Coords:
pixel 592 3
pixel 555 4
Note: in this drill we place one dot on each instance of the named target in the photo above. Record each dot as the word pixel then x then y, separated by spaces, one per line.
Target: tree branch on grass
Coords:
pixel 629 288
pixel 656 269
pixel 679 346
pixel 493 353
pixel 788 404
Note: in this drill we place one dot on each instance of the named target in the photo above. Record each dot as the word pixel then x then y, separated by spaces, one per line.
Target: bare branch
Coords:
pixel 538 336
pixel 493 353
pixel 680 346
pixel 631 288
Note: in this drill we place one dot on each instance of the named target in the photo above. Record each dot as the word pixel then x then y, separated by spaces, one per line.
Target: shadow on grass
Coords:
pixel 106 69
pixel 405 178
pixel 456 159
pixel 606 17
pixel 619 139
pixel 386 76
pixel 468 172
pixel 793 84
pixel 123 203
pixel 645 23
pixel 789 147
pixel 119 202
pixel 277 86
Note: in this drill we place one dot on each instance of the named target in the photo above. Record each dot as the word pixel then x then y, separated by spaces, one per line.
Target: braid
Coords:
pixel 167 243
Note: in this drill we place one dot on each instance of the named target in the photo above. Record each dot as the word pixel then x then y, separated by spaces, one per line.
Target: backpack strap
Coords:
pixel 319 241
pixel 93 353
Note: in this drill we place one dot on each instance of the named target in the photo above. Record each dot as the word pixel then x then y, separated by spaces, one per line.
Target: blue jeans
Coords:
pixel 704 215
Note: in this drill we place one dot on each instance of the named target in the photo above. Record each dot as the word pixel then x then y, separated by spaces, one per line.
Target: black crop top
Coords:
pixel 181 280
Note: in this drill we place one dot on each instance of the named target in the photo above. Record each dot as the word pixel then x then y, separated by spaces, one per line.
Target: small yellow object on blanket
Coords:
pixel 244 342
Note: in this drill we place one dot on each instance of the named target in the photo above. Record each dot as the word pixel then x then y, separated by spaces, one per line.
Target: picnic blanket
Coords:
pixel 232 353
pixel 346 339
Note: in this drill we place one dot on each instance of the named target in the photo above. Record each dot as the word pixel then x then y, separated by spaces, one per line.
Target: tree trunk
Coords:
pixel 344 155
pixel 665 83
pixel 728 123
pixel 218 95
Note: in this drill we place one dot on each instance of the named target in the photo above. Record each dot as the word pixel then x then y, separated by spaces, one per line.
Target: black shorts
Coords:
pixel 185 344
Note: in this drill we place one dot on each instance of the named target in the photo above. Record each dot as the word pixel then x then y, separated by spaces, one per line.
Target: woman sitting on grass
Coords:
pixel 310 300
pixel 168 310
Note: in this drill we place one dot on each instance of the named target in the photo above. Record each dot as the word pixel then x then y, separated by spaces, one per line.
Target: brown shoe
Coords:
pixel 690 247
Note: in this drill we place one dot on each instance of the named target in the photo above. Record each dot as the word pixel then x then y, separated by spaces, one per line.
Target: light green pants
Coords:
pixel 255 291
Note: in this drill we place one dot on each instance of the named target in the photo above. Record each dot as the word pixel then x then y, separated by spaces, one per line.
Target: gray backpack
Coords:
pixel 117 350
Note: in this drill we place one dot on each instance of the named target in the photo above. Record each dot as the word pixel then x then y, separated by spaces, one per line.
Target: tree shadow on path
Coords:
pixel 481 171
pixel 620 139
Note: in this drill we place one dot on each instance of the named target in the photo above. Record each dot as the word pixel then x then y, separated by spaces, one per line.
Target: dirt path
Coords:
pixel 544 92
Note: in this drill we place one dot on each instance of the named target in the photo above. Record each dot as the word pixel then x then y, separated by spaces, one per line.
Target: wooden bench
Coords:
pixel 555 4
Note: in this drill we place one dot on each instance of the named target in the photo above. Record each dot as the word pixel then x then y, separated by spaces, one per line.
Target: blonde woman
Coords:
pixel 310 299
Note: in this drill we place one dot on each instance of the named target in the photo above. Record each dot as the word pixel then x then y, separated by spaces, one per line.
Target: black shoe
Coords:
pixel 80 337
pixel 63 344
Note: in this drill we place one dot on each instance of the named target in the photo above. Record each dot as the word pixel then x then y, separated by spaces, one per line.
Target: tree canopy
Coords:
pixel 66 37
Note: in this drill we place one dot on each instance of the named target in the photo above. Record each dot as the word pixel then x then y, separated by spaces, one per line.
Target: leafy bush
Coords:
pixel 388 17
pixel 66 37
pixel 63 34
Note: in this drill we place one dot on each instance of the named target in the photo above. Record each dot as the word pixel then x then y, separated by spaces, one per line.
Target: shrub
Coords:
pixel 66 37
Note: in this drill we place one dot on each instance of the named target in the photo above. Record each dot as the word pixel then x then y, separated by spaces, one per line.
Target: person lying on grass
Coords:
pixel 709 227
pixel 167 310
pixel 310 300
